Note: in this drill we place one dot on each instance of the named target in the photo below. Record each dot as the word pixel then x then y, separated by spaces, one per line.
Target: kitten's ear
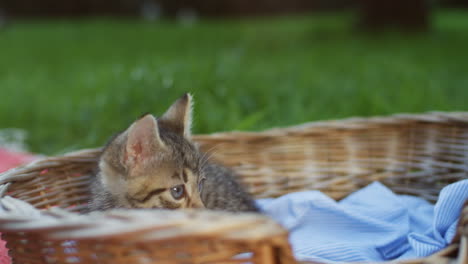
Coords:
pixel 143 141
pixel 179 116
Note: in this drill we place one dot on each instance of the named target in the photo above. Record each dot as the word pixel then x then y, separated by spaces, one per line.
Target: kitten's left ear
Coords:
pixel 179 116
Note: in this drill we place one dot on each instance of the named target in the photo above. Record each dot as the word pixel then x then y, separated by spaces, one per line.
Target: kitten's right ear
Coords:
pixel 143 141
pixel 179 116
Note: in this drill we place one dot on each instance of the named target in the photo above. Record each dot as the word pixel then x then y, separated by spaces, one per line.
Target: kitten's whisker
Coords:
pixel 212 149
pixel 205 158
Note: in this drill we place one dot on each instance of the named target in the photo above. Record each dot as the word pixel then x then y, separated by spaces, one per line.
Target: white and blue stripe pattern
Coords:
pixel 372 224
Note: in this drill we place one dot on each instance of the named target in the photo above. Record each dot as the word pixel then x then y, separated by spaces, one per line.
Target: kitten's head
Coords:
pixel 153 164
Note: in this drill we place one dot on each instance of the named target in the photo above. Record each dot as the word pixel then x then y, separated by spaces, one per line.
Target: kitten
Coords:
pixel 154 164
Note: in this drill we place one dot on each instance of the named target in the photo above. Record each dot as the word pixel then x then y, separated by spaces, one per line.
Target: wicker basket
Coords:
pixel 413 154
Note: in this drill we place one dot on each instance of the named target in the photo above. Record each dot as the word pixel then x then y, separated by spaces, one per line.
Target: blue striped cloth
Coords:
pixel 372 224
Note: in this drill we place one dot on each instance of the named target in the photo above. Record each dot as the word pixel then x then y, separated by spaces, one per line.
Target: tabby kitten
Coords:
pixel 154 164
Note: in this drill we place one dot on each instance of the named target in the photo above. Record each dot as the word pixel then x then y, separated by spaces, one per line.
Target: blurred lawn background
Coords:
pixel 73 84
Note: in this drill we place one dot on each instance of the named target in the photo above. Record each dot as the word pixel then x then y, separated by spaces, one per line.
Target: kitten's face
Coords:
pixel 153 164
pixel 179 190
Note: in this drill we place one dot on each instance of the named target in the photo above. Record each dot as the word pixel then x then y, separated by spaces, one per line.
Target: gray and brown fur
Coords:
pixel 139 166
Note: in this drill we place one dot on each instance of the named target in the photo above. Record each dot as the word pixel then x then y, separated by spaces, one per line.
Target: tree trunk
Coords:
pixel 403 15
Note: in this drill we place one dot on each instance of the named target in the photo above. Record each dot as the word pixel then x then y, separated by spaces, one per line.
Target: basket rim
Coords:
pixel 350 123
pixel 59 224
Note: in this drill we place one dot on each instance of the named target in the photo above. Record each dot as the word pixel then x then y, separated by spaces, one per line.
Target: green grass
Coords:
pixel 71 84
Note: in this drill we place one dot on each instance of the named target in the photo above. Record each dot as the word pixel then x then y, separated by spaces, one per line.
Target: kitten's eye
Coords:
pixel 178 192
pixel 200 184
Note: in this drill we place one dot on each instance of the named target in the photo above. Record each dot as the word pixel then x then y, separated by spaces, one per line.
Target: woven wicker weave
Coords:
pixel 414 154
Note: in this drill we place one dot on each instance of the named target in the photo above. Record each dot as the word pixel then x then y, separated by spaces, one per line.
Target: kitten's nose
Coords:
pixel 198 206
pixel 197 203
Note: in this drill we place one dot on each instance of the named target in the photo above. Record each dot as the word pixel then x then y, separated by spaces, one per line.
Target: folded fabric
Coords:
pixel 372 224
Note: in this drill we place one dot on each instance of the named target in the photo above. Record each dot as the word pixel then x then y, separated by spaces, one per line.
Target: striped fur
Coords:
pixel 148 165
